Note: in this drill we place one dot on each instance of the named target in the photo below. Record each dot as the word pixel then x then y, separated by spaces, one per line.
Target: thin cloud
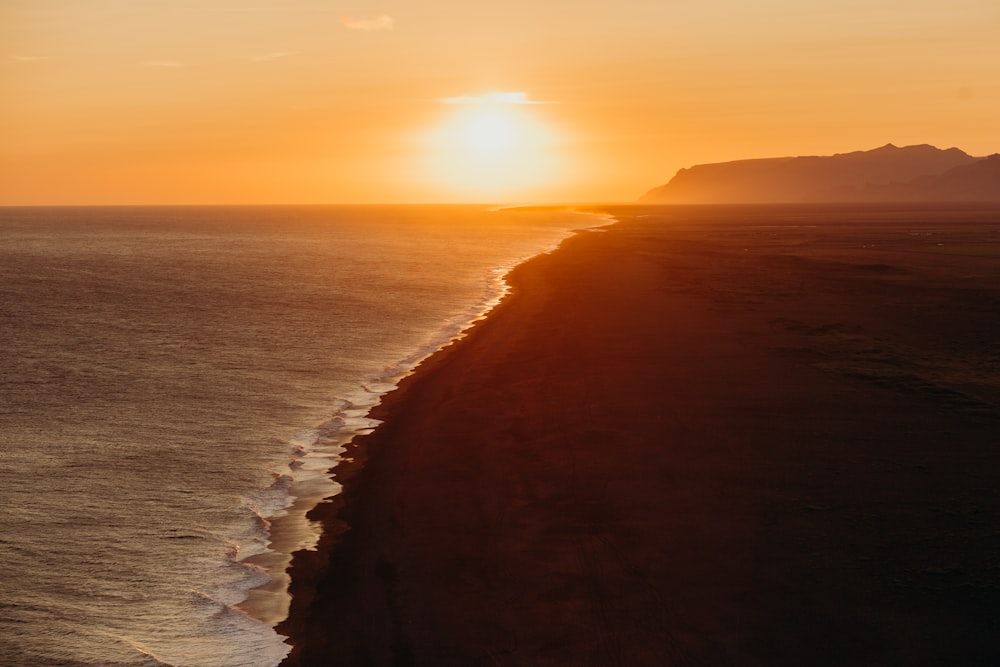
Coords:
pixel 228 10
pixel 268 57
pixel 493 98
pixel 163 63
pixel 368 24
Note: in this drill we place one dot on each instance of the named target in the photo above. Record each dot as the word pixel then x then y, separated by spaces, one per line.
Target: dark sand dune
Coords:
pixel 707 436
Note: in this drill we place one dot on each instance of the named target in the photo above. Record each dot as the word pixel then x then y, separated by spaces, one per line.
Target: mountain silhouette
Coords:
pixel 888 173
pixel 975 182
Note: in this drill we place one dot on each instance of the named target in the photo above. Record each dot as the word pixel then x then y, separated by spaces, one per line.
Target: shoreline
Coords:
pixel 309 568
pixel 344 464
pixel 320 452
pixel 661 446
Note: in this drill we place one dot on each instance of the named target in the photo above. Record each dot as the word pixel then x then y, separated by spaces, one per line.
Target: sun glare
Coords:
pixel 491 146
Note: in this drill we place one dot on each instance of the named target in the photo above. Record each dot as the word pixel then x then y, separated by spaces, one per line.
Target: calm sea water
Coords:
pixel 174 385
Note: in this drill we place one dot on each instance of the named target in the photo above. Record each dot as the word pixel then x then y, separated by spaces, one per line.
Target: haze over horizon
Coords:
pixel 308 101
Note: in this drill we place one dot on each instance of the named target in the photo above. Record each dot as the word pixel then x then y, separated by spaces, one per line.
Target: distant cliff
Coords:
pixel 889 173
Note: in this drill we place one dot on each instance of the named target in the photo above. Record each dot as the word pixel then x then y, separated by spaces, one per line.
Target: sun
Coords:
pixel 491 147
pixel 489 134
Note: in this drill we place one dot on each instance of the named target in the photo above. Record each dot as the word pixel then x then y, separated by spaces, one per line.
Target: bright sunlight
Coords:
pixel 491 146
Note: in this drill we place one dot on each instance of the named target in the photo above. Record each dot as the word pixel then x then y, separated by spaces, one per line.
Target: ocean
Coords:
pixel 175 383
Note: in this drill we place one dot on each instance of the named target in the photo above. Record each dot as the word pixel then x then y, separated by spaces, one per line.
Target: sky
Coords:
pixel 434 101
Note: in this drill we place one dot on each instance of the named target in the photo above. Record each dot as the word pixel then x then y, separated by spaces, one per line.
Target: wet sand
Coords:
pixel 706 436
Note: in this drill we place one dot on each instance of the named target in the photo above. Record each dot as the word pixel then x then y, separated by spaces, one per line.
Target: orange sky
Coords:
pixel 320 101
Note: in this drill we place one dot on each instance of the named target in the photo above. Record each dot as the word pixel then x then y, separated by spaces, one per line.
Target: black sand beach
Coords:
pixel 707 436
